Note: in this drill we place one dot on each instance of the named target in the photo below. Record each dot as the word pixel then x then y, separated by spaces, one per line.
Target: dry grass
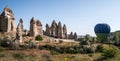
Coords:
pixel 41 55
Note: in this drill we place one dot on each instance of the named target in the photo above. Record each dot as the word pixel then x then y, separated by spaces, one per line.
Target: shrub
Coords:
pixel 87 49
pixel 70 57
pixel 14 46
pixel 49 60
pixel 19 56
pixel 1 49
pixel 38 38
pixel 85 42
pixel 6 42
pixel 54 52
pixel 109 53
pixel 47 56
pixel 29 45
pixel 60 41
pixel 2 54
pixel 24 35
pixel 32 44
pixel 99 48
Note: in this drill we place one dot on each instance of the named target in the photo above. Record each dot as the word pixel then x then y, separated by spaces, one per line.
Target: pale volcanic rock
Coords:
pixel 7 21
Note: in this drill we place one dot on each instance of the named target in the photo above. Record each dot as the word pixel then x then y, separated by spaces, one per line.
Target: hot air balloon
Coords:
pixel 102 31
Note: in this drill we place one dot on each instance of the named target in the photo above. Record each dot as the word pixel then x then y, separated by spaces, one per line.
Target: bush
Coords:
pixel 109 53
pixel 24 35
pixel 49 60
pixel 19 56
pixel 38 38
pixel 60 41
pixel 1 49
pixel 69 50
pixel 54 52
pixel 47 56
pixel 2 54
pixel 32 44
pixel 6 42
pixel 99 48
pixel 29 45
pixel 85 42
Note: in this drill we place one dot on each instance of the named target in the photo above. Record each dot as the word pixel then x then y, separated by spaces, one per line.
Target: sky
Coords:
pixel 80 16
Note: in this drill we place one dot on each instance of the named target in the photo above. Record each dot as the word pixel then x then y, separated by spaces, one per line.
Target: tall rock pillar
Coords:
pixel 7 21
pixel 64 32
pixel 47 31
pixel 39 28
pixel 33 28
pixel 19 32
pixel 21 21
pixel 60 30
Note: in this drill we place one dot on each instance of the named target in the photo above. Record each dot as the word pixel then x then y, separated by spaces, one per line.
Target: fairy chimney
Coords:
pixel 47 32
pixel 39 28
pixel 21 21
pixel 60 30
pixel 53 29
pixel 19 32
pixel 7 20
pixel 71 36
pixel 75 35
pixel 64 32
pixel 33 28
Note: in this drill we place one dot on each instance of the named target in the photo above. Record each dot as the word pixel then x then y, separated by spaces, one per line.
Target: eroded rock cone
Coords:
pixel 64 32
pixel 33 28
pixel 60 30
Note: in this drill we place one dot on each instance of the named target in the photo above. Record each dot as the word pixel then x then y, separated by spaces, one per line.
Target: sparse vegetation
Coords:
pixel 86 47
pixel 19 56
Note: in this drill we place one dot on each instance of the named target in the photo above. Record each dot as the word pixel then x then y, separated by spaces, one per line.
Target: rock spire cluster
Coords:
pixel 7 24
pixel 56 30
pixel 35 28
pixel 72 36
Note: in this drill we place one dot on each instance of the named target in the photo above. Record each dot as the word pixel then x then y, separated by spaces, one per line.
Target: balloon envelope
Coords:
pixel 102 31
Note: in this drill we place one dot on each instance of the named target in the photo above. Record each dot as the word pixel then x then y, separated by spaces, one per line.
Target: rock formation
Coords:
pixel 47 31
pixel 35 28
pixel 7 24
pixel 53 29
pixel 60 30
pixel 26 32
pixel 64 32
pixel 21 21
pixel 75 35
pixel 56 31
pixel 7 21
pixel 39 27
pixel 19 32
pixel 72 36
